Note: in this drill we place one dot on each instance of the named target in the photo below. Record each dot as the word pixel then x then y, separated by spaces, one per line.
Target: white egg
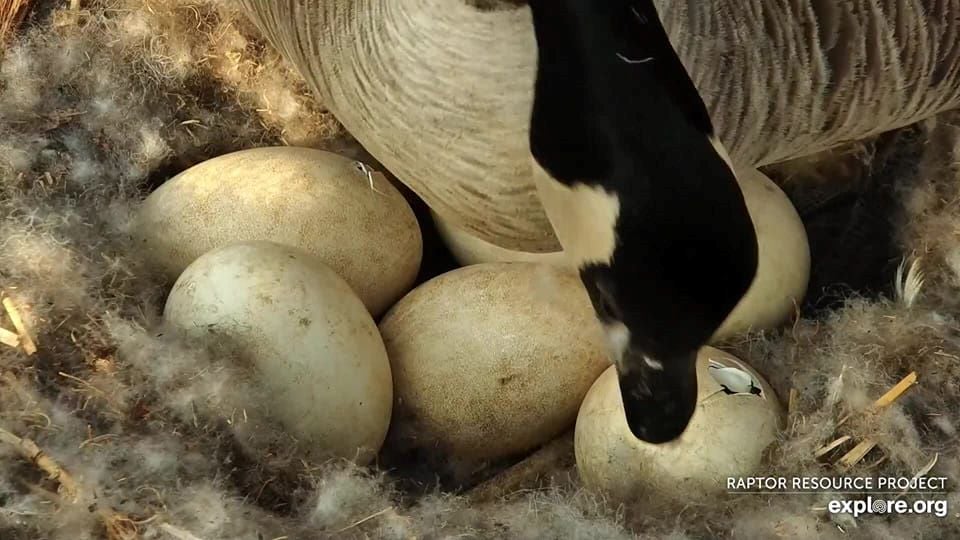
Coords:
pixel 737 417
pixel 314 347
pixel 336 208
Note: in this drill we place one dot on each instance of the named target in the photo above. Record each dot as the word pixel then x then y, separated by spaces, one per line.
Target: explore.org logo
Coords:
pixel 859 507
pixel 856 495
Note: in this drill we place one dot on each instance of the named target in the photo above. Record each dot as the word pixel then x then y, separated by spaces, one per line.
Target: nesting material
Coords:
pixel 783 266
pixel 98 112
pixel 29 450
pixel 8 338
pixel 115 526
pixel 331 206
pixel 861 449
pixel 736 419
pixel 530 472
pixel 469 249
pixel 312 343
pixel 491 360
pixel 24 338
pixel 11 14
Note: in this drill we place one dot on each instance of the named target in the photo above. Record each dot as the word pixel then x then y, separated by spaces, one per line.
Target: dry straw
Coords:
pixel 11 15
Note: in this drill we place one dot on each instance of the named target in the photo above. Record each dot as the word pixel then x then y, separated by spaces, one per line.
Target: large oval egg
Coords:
pixel 336 208
pixel 737 417
pixel 783 266
pixel 492 360
pixel 312 343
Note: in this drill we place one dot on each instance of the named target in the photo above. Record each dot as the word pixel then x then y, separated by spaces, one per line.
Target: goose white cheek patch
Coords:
pixel 618 339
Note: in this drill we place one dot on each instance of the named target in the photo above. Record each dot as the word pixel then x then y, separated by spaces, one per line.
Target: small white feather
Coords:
pixel 908 286
pixel 653 364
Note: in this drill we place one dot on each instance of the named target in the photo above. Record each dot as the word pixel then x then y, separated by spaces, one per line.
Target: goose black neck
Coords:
pixel 609 85
pixel 614 107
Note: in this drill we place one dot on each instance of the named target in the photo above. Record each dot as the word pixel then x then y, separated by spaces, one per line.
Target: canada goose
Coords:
pixel 641 195
pixel 440 91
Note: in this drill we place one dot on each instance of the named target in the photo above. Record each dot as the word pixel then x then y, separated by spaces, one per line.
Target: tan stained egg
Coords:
pixel 493 359
pixel 336 208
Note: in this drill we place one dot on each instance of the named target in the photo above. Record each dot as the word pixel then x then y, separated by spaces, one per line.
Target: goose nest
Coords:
pixel 113 427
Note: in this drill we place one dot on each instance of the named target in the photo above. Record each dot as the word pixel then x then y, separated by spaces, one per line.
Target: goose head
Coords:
pixel 642 196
